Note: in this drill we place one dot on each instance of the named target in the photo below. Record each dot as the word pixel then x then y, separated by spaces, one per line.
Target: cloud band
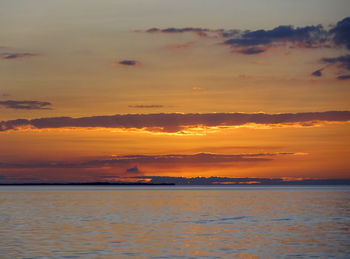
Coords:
pixel 175 122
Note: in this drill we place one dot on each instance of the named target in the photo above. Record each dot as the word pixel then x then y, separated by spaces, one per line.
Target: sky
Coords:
pixel 132 90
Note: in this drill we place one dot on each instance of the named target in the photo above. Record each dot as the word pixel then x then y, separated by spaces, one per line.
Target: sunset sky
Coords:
pixel 118 90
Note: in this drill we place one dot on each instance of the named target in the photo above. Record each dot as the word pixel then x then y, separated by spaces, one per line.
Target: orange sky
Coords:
pixel 175 91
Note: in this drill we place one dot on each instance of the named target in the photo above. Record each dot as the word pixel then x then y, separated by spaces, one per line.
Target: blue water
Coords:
pixel 174 222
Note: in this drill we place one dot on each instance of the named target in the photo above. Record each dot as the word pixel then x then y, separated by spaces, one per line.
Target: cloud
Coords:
pixel 145 106
pixel 177 122
pixel 17 55
pixel 230 33
pixel 341 33
pixel 131 160
pixel 250 42
pixel 343 77
pixel 198 158
pixel 133 170
pixel 129 63
pixel 341 61
pixel 26 105
pixel 256 42
pixel 181 46
pixel 251 50
pixel 317 73
pixel 17 179
pixel 202 32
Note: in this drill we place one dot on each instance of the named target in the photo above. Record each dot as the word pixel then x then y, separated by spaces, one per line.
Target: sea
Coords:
pixel 174 221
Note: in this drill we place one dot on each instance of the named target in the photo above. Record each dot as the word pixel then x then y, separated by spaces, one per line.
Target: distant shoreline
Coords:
pixel 345 183
pixel 93 184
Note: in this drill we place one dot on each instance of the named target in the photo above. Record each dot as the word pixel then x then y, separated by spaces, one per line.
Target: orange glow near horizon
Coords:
pixel 302 146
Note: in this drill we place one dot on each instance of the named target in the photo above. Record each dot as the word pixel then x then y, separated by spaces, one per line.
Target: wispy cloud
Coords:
pixel 26 105
pixel 177 122
pixel 14 55
pixel 136 160
pixel 182 46
pixel 341 63
pixel 343 77
pixel 202 32
pixel 127 62
pixel 251 50
pixel 146 106
pixel 133 170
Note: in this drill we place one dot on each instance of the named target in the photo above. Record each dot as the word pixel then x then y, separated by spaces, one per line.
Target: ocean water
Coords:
pixel 174 222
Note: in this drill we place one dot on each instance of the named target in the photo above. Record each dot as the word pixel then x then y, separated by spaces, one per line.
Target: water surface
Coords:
pixel 174 222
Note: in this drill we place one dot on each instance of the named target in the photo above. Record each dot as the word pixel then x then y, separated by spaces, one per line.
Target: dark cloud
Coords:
pixel 317 73
pixel 17 179
pixel 131 160
pixel 144 106
pixel 152 30
pixel 26 105
pixel 258 41
pixel 252 50
pixel 255 42
pixel 342 61
pixel 244 42
pixel 17 55
pixel 128 63
pixel 343 77
pixel 133 170
pixel 175 122
pixel 342 33
pixel 203 32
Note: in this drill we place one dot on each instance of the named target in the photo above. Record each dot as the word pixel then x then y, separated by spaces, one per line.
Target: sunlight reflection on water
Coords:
pixel 174 221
